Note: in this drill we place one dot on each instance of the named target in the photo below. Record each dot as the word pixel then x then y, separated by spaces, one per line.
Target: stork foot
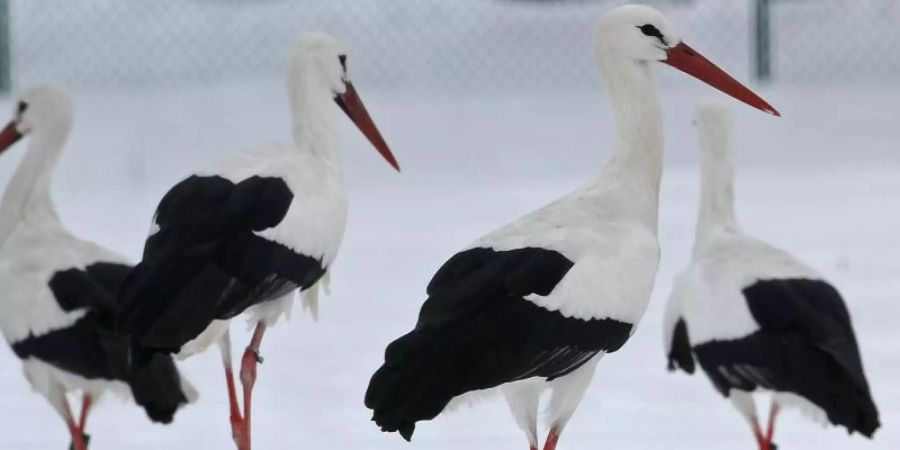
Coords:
pixel 86 438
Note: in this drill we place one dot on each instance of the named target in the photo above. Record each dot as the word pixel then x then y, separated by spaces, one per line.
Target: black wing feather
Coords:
pixel 680 355
pixel 91 349
pixel 476 331
pixel 206 263
pixel 805 345
pixel 95 288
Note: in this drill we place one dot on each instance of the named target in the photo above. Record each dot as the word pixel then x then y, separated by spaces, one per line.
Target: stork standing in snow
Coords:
pixel 537 303
pixel 248 232
pixel 756 319
pixel 59 292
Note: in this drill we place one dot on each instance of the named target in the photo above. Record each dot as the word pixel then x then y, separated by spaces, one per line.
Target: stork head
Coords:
pixel 635 32
pixel 40 109
pixel 641 34
pixel 320 63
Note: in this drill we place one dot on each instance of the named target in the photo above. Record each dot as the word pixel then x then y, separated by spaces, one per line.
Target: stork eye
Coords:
pixel 22 106
pixel 343 60
pixel 652 31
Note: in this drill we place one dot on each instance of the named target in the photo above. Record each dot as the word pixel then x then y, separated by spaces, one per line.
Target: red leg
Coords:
pixel 770 431
pixel 552 438
pixel 757 432
pixel 86 402
pixel 248 378
pixel 74 431
pixel 237 422
pixel 234 416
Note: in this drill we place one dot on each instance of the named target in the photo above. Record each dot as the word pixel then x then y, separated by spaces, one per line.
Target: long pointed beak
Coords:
pixel 687 60
pixel 9 136
pixel 350 102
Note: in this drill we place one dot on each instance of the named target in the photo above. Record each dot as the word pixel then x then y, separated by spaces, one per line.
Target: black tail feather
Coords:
pixel 866 420
pixel 165 307
pixel 137 309
pixel 157 387
pixel 139 356
pixel 410 387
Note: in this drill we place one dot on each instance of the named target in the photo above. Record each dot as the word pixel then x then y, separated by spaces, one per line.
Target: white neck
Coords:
pixel 313 115
pixel 717 189
pixel 27 197
pixel 635 168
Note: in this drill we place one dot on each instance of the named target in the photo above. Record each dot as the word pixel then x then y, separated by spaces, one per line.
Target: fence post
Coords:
pixel 5 48
pixel 763 40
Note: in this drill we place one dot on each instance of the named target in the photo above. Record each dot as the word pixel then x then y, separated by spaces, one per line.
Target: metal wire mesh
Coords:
pixel 460 45
pixel 836 41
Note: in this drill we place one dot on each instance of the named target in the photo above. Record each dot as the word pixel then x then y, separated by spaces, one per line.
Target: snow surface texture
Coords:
pixel 822 182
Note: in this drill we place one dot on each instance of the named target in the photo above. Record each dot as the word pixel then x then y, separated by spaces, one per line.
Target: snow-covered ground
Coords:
pixel 823 182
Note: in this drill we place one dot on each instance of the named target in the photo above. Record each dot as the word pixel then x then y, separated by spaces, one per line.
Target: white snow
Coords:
pixel 822 182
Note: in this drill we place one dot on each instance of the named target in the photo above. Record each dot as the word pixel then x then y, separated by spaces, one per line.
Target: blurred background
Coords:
pixel 493 45
pixel 493 108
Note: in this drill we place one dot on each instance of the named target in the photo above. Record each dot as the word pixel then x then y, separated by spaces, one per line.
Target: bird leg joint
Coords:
pixel 255 353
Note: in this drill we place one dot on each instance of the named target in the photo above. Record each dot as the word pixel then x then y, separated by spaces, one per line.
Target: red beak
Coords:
pixel 350 102
pixel 9 136
pixel 687 60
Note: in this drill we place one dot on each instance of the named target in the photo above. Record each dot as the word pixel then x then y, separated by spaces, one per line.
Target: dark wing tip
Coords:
pixel 406 432
pixel 163 415
pixel 157 387
pixel 868 422
pixel 687 367
pixel 681 354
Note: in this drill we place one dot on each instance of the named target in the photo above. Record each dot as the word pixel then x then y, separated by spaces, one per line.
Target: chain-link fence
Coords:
pixel 443 45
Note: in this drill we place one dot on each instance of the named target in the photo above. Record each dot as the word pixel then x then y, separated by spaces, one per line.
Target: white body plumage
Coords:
pixel 35 247
pixel 755 318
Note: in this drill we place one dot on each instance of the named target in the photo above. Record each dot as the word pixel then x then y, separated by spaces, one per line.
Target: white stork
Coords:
pixel 537 303
pixel 246 233
pixel 59 301
pixel 756 319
